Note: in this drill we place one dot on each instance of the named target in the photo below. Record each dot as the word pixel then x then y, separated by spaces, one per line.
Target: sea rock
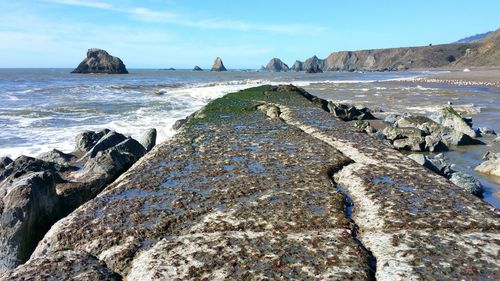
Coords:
pixel 491 166
pixel 149 139
pixel 486 131
pixel 435 143
pixel 467 182
pixel 349 112
pixel 394 133
pixel 4 161
pixel 297 66
pixel 111 139
pixel 411 144
pixel 29 205
pixel 218 65
pixel 441 165
pixel 419 158
pixel 421 122
pixel 313 68
pixel 392 119
pixel 57 156
pixel 63 265
pixel 313 63
pixel 450 118
pixel 276 65
pixel 99 61
pixel 35 193
pixel 25 164
pixel 197 68
pixel 87 139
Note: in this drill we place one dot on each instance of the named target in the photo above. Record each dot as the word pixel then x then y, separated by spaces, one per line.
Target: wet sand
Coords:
pixel 475 77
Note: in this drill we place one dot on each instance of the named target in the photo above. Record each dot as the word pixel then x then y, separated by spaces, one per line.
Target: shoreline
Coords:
pixel 479 77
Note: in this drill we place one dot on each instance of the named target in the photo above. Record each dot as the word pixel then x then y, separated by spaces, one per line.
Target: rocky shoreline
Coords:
pixel 37 192
pixel 270 182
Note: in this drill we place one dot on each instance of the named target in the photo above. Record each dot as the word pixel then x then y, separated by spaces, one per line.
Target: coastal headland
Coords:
pixel 266 183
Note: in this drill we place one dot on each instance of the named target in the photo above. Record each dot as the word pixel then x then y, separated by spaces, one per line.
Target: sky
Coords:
pixel 245 34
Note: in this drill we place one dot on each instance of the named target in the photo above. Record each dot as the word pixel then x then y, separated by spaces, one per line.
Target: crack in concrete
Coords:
pixel 283 113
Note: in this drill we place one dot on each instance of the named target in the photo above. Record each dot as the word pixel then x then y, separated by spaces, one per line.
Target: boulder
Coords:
pixel 491 166
pixel 435 143
pixel 25 164
pixel 467 182
pixel 99 61
pixel 218 65
pixel 297 66
pixel 29 205
pixel 87 139
pixel 63 265
pixel 394 133
pixel 349 112
pixel 197 68
pixel 440 164
pixel 411 144
pixel 419 158
pixel 421 122
pixel 111 139
pixel 276 65
pixel 57 156
pixel 450 118
pixel 4 162
pixel 486 131
pixel 148 140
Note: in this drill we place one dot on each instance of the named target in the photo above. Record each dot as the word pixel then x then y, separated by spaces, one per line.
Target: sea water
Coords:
pixel 43 109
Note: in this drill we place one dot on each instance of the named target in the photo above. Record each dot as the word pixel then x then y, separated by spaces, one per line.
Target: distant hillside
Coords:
pixel 474 38
pixel 485 52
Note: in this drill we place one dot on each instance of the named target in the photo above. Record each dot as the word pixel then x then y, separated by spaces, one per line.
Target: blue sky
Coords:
pixel 246 34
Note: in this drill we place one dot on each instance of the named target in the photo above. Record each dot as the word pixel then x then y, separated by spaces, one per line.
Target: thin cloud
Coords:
pixel 80 3
pixel 167 17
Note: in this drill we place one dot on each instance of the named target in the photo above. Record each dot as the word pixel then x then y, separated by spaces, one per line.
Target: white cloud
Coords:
pixel 84 3
pixel 168 17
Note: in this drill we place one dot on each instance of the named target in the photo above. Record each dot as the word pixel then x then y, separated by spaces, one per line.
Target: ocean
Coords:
pixel 43 109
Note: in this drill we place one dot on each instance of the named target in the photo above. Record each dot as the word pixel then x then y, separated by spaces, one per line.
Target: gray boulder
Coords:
pixel 197 68
pixel 149 139
pixel 29 205
pixel 57 156
pixel 449 117
pixel 4 162
pixel 218 65
pixel 394 133
pixel 87 139
pixel 411 144
pixel 25 164
pixel 467 182
pixel 99 61
pixel 486 131
pixel 349 112
pixel 297 66
pixel 491 166
pixel 421 122
pixel 276 65
pixel 111 139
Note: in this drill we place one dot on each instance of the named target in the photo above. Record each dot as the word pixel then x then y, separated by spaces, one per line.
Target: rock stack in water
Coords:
pixel 197 68
pixel 276 65
pixel 99 61
pixel 298 66
pixel 218 65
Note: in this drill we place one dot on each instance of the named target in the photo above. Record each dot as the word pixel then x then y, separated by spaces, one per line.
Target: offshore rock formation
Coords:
pixel 297 66
pixel 36 192
pixel 260 184
pixel 276 65
pixel 99 61
pixel 313 63
pixel 197 68
pixel 218 65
